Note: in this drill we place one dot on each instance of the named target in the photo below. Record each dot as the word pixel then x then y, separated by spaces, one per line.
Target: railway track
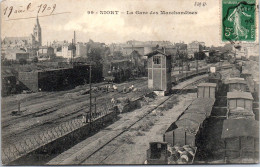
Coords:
pixel 67 116
pixel 180 91
pixel 71 115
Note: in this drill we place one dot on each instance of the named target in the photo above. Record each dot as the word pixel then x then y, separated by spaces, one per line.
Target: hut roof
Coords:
pixel 239 95
pixel 240 127
pixel 156 52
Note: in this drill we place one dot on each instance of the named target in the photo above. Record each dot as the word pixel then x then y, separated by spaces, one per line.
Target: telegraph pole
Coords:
pixel 197 64
pixel 90 96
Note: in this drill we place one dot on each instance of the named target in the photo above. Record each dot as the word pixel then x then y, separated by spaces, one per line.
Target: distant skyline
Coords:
pixel 117 28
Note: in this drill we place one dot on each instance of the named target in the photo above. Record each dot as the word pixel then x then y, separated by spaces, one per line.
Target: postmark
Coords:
pixel 238 20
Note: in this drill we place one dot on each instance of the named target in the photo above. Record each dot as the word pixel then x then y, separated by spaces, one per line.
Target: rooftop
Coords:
pixel 156 52
pixel 208 84
pixel 239 95
pixel 235 80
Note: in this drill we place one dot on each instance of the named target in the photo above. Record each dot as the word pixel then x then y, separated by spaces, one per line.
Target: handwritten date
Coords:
pixel 42 8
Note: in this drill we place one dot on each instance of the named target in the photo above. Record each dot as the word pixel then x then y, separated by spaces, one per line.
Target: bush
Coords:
pixel 22 61
pixel 35 60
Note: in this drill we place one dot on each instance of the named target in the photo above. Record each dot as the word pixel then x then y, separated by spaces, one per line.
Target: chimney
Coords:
pixel 74 37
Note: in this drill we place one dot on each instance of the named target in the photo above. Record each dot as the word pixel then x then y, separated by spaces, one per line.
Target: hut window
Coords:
pixel 157 59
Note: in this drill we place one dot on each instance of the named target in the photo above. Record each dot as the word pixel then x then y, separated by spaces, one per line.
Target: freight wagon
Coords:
pixel 241 138
pixel 237 84
pixel 239 99
pixel 59 79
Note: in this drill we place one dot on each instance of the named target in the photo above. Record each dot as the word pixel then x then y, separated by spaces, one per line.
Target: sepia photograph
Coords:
pixel 129 82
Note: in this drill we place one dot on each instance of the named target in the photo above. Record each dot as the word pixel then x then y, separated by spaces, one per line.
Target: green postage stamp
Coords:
pixel 238 20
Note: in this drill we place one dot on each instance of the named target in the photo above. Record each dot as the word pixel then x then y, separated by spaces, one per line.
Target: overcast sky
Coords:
pixel 204 26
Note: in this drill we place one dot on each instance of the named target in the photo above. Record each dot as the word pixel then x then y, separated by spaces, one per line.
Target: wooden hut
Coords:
pixel 206 90
pixel 159 71
pixel 237 84
pixel 239 99
pixel 241 138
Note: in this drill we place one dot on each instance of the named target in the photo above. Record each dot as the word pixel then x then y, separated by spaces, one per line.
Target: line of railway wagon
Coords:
pixel 188 74
pixel 182 138
pixel 240 130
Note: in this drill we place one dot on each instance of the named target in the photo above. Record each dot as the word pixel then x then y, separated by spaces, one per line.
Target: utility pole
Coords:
pixel 72 52
pixel 90 96
pixel 197 64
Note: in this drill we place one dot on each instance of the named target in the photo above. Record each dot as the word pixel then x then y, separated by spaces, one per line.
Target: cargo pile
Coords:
pixel 181 155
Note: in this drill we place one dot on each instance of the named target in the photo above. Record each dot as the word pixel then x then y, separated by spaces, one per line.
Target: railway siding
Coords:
pixel 81 154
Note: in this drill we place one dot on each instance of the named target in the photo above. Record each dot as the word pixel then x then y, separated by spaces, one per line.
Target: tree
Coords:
pixel 35 60
pixel 199 56
pixel 22 61
pixel 117 55
pixel 95 56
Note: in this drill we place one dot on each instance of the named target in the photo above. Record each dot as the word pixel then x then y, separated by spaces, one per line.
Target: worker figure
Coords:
pixel 124 89
pixel 84 119
pixel 115 87
pixel 131 87
pixel 113 101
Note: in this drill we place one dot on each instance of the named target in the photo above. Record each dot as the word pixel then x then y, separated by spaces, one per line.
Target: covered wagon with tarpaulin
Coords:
pixel 240 113
pixel 202 105
pixel 157 153
pixel 185 131
pixel 207 90
pixel 239 99
pixel 241 138
pixel 236 84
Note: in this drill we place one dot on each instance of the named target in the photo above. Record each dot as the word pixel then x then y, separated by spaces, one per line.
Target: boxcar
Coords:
pixel 202 105
pixel 206 90
pixel 237 84
pixel 186 130
pixel 195 110
pixel 183 135
pixel 241 138
pixel 240 99
pixel 240 113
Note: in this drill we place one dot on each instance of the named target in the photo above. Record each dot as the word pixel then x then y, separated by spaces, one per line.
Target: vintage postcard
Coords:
pixel 129 82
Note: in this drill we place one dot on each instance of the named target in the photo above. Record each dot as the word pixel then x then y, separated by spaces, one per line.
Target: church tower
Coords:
pixel 37 33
